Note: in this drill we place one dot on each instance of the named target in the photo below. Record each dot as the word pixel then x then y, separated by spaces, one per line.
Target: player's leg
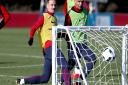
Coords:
pixel 64 65
pixel 72 62
pixel 71 59
pixel 88 55
pixel 47 69
pixel 44 78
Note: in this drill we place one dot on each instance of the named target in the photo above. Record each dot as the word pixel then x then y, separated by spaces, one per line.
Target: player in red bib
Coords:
pixel 5 16
pixel 44 28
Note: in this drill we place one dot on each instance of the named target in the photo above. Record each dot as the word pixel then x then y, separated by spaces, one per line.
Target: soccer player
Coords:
pixel 77 16
pixel 44 27
pixel 5 16
pixel 70 3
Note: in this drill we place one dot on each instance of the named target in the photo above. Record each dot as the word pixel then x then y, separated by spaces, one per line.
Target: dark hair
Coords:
pixel 47 1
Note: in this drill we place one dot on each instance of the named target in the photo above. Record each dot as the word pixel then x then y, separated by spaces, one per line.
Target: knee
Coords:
pixel 45 79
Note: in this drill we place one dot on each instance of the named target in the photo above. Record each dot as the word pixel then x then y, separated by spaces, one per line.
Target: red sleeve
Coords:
pixel 39 23
pixel 67 20
pixel 4 13
pixel 86 6
pixel 65 8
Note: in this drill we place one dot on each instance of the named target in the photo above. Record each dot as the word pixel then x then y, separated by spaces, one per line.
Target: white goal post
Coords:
pixel 97 38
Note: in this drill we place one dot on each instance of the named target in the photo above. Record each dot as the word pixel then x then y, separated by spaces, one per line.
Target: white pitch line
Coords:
pixel 21 55
pixel 11 76
pixel 23 66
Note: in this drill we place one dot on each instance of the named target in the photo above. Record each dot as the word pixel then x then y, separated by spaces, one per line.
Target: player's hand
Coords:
pixel 30 42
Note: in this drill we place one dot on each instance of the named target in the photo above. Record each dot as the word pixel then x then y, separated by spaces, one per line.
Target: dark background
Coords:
pixel 117 6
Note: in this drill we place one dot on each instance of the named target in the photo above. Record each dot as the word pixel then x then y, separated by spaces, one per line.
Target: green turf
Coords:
pixel 15 52
pixel 18 60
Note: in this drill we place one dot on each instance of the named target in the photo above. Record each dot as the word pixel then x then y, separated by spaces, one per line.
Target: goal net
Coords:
pixel 96 39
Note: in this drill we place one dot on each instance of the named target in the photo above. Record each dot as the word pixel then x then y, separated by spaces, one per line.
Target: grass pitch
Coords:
pixel 17 59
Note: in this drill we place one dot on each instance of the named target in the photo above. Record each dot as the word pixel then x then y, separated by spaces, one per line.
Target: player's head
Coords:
pixel 51 5
pixel 79 4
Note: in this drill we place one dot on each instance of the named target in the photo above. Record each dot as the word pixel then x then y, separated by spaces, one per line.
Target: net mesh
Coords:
pixel 96 39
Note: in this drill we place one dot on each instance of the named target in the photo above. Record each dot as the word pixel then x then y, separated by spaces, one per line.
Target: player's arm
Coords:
pixel 64 34
pixel 67 21
pixel 65 8
pixel 39 23
pixel 86 5
pixel 5 16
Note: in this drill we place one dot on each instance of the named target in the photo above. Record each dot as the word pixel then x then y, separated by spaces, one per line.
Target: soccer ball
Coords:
pixel 108 54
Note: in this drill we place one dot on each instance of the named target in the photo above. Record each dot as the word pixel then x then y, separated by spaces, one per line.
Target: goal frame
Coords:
pixel 88 28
